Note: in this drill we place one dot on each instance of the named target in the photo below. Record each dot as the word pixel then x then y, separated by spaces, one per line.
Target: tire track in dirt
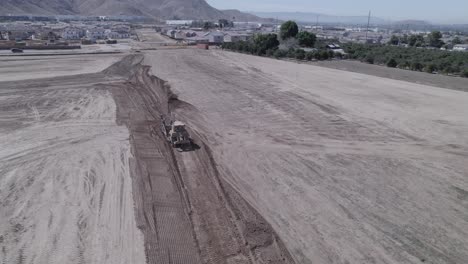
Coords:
pixel 60 146
pixel 159 200
pixel 224 228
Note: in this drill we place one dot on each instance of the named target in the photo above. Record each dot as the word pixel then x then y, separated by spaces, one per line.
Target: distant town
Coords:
pixel 74 31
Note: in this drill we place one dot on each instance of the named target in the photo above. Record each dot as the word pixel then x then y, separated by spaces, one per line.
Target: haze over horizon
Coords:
pixel 420 10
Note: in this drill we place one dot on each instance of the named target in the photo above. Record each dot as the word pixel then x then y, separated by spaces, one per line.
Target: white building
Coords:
pixel 73 33
pixel 111 34
pixel 461 47
pixel 179 22
pixel 234 37
pixel 95 33
pixel 215 37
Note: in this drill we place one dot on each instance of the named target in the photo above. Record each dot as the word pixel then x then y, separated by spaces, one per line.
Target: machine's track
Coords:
pixel 187 212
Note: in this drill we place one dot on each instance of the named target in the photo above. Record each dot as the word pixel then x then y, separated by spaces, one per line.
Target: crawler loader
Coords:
pixel 176 134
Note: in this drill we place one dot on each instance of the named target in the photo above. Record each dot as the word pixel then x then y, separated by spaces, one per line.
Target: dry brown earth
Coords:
pixel 348 168
pixel 65 186
pixel 345 167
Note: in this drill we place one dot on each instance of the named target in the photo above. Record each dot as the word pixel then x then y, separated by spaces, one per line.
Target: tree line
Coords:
pixel 290 43
pixel 410 58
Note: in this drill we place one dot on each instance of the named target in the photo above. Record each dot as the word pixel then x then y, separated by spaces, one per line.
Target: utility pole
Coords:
pixel 368 23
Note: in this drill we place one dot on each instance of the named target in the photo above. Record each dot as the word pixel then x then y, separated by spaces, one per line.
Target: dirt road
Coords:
pixel 347 168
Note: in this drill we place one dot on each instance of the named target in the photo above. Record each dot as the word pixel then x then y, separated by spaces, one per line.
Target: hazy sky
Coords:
pixel 453 11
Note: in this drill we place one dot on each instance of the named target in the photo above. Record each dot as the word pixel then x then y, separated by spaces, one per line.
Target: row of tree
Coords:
pixel 434 39
pixel 289 44
pixel 268 45
pixel 411 58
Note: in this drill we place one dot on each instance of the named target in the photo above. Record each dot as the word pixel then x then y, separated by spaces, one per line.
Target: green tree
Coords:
pixel 404 39
pixel 392 63
pixel 370 59
pixel 415 40
pixel 309 56
pixel 324 55
pixel 434 39
pixel 208 25
pixel 430 68
pixel 394 40
pixel 289 29
pixel 416 66
pixel 300 54
pixel 456 41
pixel 465 74
pixel 224 23
pixel 279 53
pixel 264 42
pixel 306 39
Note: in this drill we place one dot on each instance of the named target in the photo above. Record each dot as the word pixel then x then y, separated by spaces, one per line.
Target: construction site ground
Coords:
pixel 292 163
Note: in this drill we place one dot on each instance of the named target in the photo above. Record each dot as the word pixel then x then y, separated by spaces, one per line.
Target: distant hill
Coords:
pixel 161 9
pixel 412 22
pixel 323 18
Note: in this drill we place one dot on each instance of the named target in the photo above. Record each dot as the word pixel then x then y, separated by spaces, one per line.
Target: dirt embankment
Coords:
pixel 187 212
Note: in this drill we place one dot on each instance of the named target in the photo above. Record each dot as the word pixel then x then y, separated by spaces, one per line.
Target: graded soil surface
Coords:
pixel 346 167
pixel 65 181
pixel 290 163
pixel 88 177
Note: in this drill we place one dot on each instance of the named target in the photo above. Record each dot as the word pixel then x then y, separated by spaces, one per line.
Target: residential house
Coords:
pixel 96 33
pixel 73 33
pixel 18 35
pixel 111 34
pixel 215 37
pixel 179 22
pixel 234 37
pixel 198 40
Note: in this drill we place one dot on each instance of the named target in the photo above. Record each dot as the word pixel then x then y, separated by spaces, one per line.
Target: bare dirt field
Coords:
pixel 291 163
pixel 65 183
pixel 346 167
pixel 17 68
pixel 86 175
pixel 436 80
pixel 151 36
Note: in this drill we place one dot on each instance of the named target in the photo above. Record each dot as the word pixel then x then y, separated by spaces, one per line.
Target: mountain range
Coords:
pixel 307 17
pixel 160 9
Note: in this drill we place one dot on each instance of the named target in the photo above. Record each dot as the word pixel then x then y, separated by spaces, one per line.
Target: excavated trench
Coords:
pixel 186 211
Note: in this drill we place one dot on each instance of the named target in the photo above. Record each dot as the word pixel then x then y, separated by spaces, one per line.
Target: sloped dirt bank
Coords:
pixel 186 211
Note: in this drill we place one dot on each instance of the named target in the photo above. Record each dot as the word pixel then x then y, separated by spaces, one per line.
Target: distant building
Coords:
pixel 179 22
pixel 73 33
pixel 190 34
pixel 234 37
pixel 96 33
pixel 198 40
pixel 111 34
pixel 247 24
pixel 18 35
pixel 215 37
pixel 461 47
